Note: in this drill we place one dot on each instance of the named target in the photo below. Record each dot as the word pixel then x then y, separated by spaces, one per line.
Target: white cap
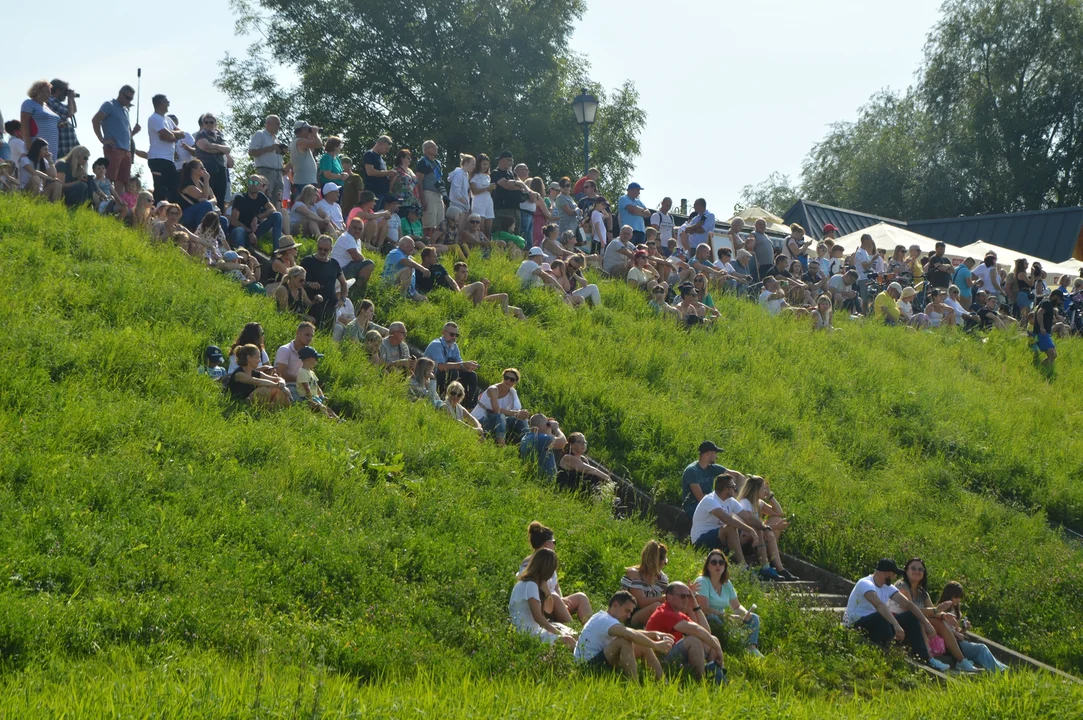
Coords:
pixel 896 287
pixel 331 187
pixel 535 251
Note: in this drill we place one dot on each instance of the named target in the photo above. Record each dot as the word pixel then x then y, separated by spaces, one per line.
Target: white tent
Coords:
pixel 1006 259
pixel 751 214
pixel 888 236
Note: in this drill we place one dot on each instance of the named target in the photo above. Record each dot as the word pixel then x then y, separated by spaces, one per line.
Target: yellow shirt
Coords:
pixel 884 307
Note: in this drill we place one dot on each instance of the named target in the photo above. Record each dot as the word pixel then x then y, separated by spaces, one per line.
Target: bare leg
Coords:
pixel 695 656
pixel 487 227
pixel 579 604
pixel 475 291
pixel 732 539
pixel 772 549
pixel 567 641
pixel 650 659
pixel 501 298
pixel 950 641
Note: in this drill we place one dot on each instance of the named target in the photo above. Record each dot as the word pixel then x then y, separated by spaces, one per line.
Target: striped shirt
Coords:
pixel 651 591
pixel 48 126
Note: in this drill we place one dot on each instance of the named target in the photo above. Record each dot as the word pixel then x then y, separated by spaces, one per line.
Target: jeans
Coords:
pixel 219 182
pixel 498 424
pixel 881 631
pixel 751 628
pixel 979 653
pixel 194 215
pixel 166 179
pixel 355 266
pixel 526 225
pixel 238 236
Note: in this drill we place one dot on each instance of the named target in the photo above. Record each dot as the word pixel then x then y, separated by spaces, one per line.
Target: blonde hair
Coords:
pixel 293 272
pixel 651 561
pixel 464 159
pixel 35 88
pixel 454 387
pixel 307 192
pixel 77 159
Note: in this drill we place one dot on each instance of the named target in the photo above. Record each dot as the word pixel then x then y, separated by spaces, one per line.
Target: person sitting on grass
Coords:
pixel 514 244
pixel 438 276
pixel 560 607
pixel 308 383
pixel 305 219
pixel 471 236
pixel 538 444
pixel 717 524
pixel 573 470
pixel 373 342
pixel 375 222
pixel 716 598
pixel 950 602
pixel 530 594
pixel 328 207
pixel 658 302
pixel 533 275
pixel 823 314
pixel 695 647
pixel 249 385
pixel 845 291
pixel 422 385
pixel 907 315
pixel 914 586
pixel 937 310
pixel 478 291
pixel 962 313
pixel 552 246
pixel 641 275
pixel 498 409
pixel 291 295
pixel 868 610
pixel 575 293
pixel 647 581
pixel 251 334
pixel 401 269
pixel 757 503
pixel 347 253
pixel 690 309
pixel 357 329
pixel 453 404
pixel 989 316
pixel 773 297
pixel 444 351
pixel 213 363
pixel 394 352
pixel 252 215
pixel 606 640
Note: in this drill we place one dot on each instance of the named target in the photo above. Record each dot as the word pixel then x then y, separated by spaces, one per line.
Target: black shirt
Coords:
pixel 1048 310
pixel 779 273
pixel 380 186
pixel 939 271
pixel 248 208
pixel 438 277
pixel 240 391
pixel 504 199
pixel 326 274
pixel 985 316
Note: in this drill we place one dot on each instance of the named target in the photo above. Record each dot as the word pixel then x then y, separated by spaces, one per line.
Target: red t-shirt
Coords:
pixel 664 619
pixel 578 187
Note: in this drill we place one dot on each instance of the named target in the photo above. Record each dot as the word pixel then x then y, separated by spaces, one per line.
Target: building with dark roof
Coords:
pixel 813 216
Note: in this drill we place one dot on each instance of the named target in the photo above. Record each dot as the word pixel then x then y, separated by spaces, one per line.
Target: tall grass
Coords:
pixel 164 552
pixel 884 441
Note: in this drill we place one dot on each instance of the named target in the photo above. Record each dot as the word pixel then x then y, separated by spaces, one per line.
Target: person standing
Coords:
pixel 164 135
pixel 662 221
pixel 432 188
pixel 376 175
pixel 507 193
pixel 212 150
pixel 633 213
pixel 266 153
pixel 34 111
pixel 62 102
pixel 306 139
pixel 527 202
pixel 696 230
pixel 112 127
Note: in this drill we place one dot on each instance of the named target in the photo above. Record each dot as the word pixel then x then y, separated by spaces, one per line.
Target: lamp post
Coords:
pixel 586 107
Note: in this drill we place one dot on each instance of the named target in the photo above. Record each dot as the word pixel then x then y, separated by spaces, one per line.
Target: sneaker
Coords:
pixel 937 665
pixel 1001 667
pixel 787 575
pixel 769 573
pixel 755 652
pixel 965 666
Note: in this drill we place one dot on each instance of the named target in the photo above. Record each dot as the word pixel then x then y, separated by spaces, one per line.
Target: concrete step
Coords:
pixel 794 586
pixel 821 600
pixel 840 611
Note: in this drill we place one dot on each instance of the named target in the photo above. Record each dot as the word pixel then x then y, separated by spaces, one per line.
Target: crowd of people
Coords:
pixel 414 216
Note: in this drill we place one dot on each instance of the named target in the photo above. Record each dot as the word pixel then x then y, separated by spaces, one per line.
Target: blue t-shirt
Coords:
pixel 116 126
pixel 535 447
pixel 636 222
pixel 433 180
pixel 962 274
pixel 439 352
pixel 695 475
pixel 392 268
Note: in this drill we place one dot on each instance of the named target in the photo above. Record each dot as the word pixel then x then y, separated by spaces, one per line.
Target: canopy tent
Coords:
pixel 751 214
pixel 888 236
pixel 1006 259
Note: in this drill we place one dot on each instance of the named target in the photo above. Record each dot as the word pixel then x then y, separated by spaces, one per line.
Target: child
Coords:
pixel 391 204
pixel 101 189
pixel 411 224
pixel 308 385
pixel 131 194
pixel 213 363
pixel 8 183
pixel 375 233
pixel 834 265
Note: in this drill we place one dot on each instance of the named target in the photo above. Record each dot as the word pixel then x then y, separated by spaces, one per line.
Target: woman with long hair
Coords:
pixel 249 385
pixel 1024 289
pixel 170 228
pixel 914 586
pixel 530 593
pixel 404 185
pixel 481 193
pixel 757 503
pixel 292 294
pixel 37 175
pixel 251 334
pixel 422 385
pixel 823 314
pixel 716 596
pixel 304 220
pixel 453 405
pixel 72 172
pixel 647 581
pixel 543 213
pixel 285 257
pixel 938 311
pixel 558 606
pixel 950 603
pixel 142 215
pixel 195 196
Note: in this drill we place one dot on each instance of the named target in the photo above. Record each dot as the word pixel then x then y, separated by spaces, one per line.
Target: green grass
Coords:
pixel 883 441
pixel 166 553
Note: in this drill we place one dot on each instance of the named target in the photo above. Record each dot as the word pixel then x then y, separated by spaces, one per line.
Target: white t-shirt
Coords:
pixel 664 221
pixel 333 210
pixel 341 251
pixel 26 168
pixel 861 256
pixel 597 224
pixel 954 305
pixel 858 606
pixel 263 361
pixel 519 608
pixel 746 505
pixel 393 225
pixel 526 274
pixel 459 187
pixel 522 569
pixel 346 313
pixel 264 139
pixel 612 258
pixel 160 149
pixel 725 267
pixel 984 273
pixel 595 636
pixel 509 402
pixel 703 519
pixel 773 306
pixel 18 148
pixel 183 155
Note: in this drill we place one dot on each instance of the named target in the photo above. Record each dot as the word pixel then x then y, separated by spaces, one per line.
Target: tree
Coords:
pixel 776 194
pixel 474 75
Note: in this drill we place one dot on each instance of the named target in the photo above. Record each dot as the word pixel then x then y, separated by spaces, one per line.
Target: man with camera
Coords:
pixel 306 139
pixel 62 102
pixel 266 153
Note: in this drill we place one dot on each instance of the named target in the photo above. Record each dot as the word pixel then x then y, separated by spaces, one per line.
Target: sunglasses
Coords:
pixel 720 563
pixel 453 334
pixel 510 378
pixel 475 222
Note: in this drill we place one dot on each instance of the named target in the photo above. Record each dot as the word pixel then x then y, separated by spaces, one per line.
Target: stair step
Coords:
pixel 821 600
pixel 795 586
pixel 840 611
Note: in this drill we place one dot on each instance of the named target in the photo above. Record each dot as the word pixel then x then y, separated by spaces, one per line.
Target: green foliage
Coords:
pixel 776 194
pixel 474 75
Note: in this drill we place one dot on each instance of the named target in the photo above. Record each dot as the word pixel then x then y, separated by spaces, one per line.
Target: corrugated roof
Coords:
pixel 1049 234
pixel 813 216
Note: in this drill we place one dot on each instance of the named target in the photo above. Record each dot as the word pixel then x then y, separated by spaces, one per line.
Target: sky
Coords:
pixel 732 91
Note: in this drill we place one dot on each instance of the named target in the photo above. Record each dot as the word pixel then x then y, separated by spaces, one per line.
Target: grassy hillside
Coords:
pixel 884 441
pixel 165 553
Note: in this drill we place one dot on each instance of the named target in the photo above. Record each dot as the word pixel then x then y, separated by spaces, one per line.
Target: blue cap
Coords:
pixel 230 255
pixel 308 352
pixel 635 186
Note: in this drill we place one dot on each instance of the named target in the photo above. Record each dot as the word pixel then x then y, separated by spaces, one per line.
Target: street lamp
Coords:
pixel 586 107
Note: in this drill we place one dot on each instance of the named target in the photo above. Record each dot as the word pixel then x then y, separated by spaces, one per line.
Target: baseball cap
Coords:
pixel 635 186
pixel 300 125
pixel 830 228
pixel 505 154
pixel 330 187
pixel 707 446
pixel 213 352
pixel 554 185
pixel 230 255
pixel 896 287
pixel 535 252
pixel 388 199
pixel 308 352
pixel 888 565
